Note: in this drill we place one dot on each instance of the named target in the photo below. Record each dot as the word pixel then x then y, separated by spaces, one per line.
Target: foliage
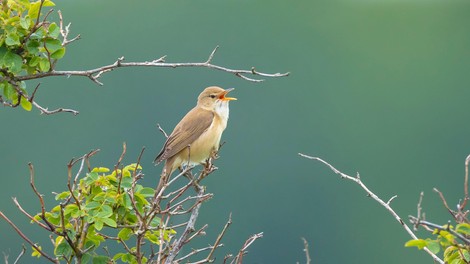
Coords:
pixel 101 206
pixel 447 239
pixel 29 44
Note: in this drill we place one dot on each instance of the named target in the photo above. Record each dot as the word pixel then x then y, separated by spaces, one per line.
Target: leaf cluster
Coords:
pixel 29 44
pixel 448 239
pixel 102 207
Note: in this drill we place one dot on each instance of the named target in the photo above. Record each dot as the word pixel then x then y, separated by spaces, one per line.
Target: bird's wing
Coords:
pixel 186 132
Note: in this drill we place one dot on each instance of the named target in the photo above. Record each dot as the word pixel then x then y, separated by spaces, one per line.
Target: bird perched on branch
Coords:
pixel 197 136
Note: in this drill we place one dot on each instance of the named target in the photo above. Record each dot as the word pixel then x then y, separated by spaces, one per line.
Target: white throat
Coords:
pixel 221 109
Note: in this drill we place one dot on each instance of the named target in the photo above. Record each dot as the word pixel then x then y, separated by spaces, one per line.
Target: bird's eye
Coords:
pixel 212 96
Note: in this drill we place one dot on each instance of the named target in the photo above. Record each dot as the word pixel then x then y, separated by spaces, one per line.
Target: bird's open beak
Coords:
pixel 223 98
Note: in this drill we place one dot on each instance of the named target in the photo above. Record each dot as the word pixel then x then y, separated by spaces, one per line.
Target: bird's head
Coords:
pixel 214 96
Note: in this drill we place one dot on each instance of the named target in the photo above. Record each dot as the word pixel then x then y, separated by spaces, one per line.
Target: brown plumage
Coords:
pixel 198 134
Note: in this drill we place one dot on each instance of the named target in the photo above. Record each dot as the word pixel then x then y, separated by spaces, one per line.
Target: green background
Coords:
pixel 376 87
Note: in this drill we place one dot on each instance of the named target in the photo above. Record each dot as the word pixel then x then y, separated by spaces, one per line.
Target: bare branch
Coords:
pixel 195 252
pixel 307 254
pixel 452 212
pixel 357 180
pixel 466 198
pixel 161 130
pixel 46 111
pixel 219 238
pixel 239 258
pixel 23 250
pixel 447 228
pixel 95 74
pixel 176 247
pixel 25 238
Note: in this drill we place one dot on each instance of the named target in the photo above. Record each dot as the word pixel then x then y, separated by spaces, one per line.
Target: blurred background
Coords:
pixel 376 87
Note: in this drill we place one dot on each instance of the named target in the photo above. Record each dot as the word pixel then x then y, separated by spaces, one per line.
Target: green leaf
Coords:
pixel 420 243
pixel 100 260
pixel 100 169
pixel 33 47
pixel 463 228
pixel 12 39
pixel 9 92
pixel 58 54
pixel 106 211
pixel 147 192
pixel 92 205
pixel 126 182
pixel 52 45
pixel 466 255
pixel 63 249
pixel 35 252
pixel 433 246
pixel 44 65
pixel 33 11
pixel 25 22
pixel 48 3
pixel 125 233
pixel 26 104
pixel 98 224
pixel 71 209
pixel 62 195
pixel 108 221
pixel 155 222
pixel 3 51
pixel 54 30
pixel 153 237
pixel 13 62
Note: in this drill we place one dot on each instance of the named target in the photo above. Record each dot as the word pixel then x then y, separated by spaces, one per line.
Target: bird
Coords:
pixel 197 136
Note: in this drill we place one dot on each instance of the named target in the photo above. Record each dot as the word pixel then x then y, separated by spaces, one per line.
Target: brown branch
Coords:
pixel 357 180
pixel 239 258
pixel 444 201
pixel 219 238
pixel 119 175
pixel 195 252
pixel 95 74
pixel 25 238
pixel 41 200
pixel 15 201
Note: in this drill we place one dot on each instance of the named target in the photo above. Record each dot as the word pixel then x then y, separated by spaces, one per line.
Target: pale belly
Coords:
pixel 202 148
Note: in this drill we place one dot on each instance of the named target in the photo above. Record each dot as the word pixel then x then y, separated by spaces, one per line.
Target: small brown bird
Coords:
pixel 197 135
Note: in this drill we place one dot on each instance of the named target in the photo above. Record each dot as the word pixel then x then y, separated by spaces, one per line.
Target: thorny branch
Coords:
pixel 386 205
pixel 96 73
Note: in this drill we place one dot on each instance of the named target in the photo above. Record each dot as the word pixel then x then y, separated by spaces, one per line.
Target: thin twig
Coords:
pixel 466 198
pixel 178 244
pixel 195 252
pixel 94 74
pixel 307 254
pixel 46 111
pixel 161 130
pixel 23 250
pixel 444 201
pixel 376 198
pixel 219 237
pixel 25 238
pixel 447 228
pixel 239 258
